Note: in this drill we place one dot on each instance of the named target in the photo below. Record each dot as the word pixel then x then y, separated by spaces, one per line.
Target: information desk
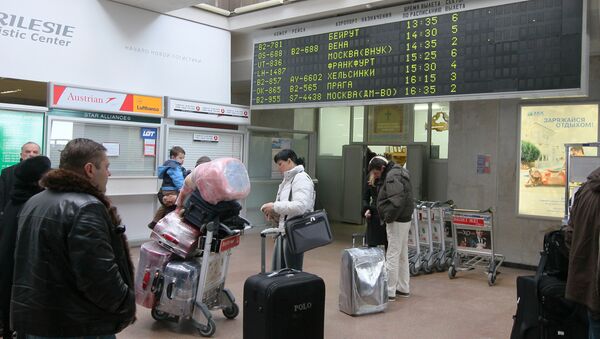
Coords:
pixel 427 49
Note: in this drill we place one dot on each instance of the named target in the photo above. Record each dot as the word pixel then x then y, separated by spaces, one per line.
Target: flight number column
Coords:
pixel 305 83
pixel 421 47
pixel 268 73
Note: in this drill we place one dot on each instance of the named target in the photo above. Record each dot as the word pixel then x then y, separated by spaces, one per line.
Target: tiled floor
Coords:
pixel 465 307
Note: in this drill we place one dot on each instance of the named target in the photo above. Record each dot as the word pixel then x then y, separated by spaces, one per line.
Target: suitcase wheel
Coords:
pixel 207 330
pixel 491 278
pixel 451 272
pixel 232 311
pixel 159 315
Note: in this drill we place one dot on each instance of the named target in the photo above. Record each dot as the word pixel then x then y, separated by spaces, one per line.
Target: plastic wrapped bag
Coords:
pixel 222 179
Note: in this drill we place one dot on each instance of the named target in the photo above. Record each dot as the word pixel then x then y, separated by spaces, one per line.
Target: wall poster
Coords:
pixel 278 144
pixel 17 128
pixel 544 131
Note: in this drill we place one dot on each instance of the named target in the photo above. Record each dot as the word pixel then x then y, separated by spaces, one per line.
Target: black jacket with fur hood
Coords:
pixel 73 273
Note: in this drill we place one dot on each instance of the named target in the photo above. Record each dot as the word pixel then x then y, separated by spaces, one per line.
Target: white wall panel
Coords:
pixel 106 45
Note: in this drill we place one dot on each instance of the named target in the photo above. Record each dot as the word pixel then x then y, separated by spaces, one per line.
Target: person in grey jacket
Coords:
pixel 295 196
pixel 395 205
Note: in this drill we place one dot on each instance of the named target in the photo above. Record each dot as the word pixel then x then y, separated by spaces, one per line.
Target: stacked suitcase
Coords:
pixel 181 273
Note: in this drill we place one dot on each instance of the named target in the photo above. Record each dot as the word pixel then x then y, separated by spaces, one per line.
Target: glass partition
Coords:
pixel 358 123
pixel 264 177
pixel 334 130
pixel 125 144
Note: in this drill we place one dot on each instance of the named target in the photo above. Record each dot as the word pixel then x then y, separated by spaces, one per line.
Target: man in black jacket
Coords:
pixel 27 173
pixel 73 273
pixel 395 205
pixel 7 177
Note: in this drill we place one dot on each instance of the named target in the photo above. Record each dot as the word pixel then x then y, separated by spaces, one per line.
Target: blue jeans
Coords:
pixel 109 336
pixel 594 329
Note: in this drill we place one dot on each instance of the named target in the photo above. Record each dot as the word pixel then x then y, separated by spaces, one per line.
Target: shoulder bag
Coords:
pixel 307 231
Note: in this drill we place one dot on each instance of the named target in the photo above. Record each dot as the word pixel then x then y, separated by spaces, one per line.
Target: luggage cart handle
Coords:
pixel 488 210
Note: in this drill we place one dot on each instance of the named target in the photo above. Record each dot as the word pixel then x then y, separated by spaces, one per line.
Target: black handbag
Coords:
pixel 307 231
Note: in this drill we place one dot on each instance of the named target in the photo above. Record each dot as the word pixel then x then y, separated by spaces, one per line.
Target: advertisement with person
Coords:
pixel 474 239
pixel 542 173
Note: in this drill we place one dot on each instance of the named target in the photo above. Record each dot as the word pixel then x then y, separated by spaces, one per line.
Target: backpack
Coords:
pixel 557 254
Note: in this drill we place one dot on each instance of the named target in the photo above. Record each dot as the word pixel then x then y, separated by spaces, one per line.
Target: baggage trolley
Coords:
pixel 436 211
pixel 429 220
pixel 213 256
pixel 473 237
pixel 415 259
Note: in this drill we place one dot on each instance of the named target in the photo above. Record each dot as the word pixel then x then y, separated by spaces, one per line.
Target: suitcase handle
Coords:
pixel 263 245
pixel 284 271
pixel 170 289
pixel 157 283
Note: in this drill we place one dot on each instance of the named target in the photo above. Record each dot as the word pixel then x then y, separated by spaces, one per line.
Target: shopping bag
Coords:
pixel 307 231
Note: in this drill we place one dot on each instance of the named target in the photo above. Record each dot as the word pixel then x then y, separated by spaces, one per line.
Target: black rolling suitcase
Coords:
pixel 286 304
pixel 526 322
pixel 543 311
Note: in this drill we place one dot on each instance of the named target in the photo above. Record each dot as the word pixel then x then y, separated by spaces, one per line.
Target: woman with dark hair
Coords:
pixel 27 174
pixel 295 196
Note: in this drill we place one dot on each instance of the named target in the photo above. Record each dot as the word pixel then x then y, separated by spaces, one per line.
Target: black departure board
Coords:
pixel 449 48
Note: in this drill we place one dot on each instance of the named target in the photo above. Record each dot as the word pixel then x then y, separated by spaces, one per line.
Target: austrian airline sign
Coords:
pixel 85 99
pixel 208 112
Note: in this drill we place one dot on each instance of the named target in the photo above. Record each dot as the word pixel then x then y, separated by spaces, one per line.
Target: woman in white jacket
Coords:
pixel 295 196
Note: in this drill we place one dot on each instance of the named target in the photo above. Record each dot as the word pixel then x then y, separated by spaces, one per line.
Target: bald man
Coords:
pixel 7 178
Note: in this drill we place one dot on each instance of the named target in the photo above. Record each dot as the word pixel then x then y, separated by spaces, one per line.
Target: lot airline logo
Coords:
pixel 89 99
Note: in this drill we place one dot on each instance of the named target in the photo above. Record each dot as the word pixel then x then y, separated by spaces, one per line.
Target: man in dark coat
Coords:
pixel 583 234
pixel 73 275
pixel 395 205
pixel 7 177
pixel 27 173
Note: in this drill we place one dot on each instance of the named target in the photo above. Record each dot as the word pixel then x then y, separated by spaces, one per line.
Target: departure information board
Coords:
pixel 450 48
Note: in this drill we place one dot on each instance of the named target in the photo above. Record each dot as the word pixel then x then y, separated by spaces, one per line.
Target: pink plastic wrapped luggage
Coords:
pixel 176 235
pixel 153 259
pixel 222 179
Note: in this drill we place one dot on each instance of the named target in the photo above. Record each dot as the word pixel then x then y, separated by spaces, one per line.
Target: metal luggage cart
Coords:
pixel 213 255
pixel 473 237
pixel 415 259
pixel 429 253
pixel 441 256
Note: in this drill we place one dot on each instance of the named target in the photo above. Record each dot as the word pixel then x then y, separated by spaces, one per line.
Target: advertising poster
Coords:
pixel 470 239
pixel 278 144
pixel 17 128
pixel 544 131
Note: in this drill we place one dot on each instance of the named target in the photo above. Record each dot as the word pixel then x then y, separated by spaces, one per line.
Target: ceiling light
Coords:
pixel 213 9
pixel 257 6
pixel 12 91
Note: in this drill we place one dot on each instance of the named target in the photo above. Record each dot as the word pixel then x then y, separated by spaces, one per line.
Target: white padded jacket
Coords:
pixel 303 194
